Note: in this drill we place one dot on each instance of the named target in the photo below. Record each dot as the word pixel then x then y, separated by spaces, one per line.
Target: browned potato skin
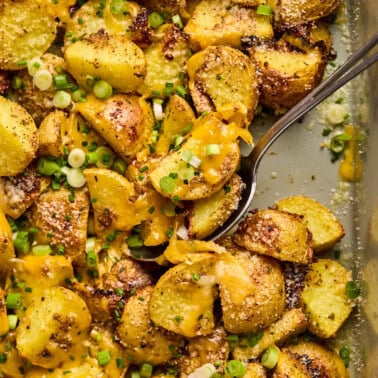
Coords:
pixel 142 340
pixel 264 304
pixel 275 233
pixel 171 7
pixel 50 214
pixel 289 366
pixel 286 75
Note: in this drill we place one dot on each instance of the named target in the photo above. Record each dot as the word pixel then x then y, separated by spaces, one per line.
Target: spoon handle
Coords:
pixel 341 76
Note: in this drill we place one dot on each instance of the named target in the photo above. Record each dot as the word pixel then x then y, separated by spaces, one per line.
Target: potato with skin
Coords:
pixel 50 135
pixel 143 340
pixel 124 121
pixel 53 327
pixel 171 7
pixel 325 228
pixel 27 30
pixel 112 58
pixel 221 78
pixel 14 363
pixel 6 244
pixel 255 370
pixel 324 299
pixel 275 233
pixel 18 138
pixel 4 324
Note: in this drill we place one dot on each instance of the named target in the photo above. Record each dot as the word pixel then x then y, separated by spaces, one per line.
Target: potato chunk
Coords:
pixel 323 297
pixel 125 122
pixel 256 299
pixel 182 301
pixel 18 138
pixel 217 22
pixel 6 244
pixel 27 30
pixel 53 328
pixel 277 234
pixel 222 77
pixel 326 230
pixel 112 58
pixel 4 324
pixel 142 340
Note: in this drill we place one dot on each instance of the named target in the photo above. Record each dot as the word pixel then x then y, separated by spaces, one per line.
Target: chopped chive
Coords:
pixel 13 301
pixel 103 357
pixel 155 20
pixel 264 10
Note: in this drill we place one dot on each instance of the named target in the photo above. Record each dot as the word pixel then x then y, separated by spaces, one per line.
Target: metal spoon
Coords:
pixel 249 164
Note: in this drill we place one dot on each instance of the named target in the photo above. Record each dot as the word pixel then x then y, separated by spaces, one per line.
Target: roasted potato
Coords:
pixel 292 322
pixel 208 173
pixel 220 78
pixel 112 58
pixel 256 299
pixel 182 300
pixel 50 134
pixel 285 74
pixel 144 341
pixel 53 327
pixel 170 7
pixel 277 234
pixel 61 217
pixel 207 214
pixel 84 370
pixel 255 370
pixel 4 324
pixel 324 297
pixel 222 23
pixel 289 366
pixel 18 193
pixel 15 363
pixel 18 138
pixel 326 230
pixel 6 244
pixel 166 59
pixel 294 12
pixel 26 31
pixel 125 122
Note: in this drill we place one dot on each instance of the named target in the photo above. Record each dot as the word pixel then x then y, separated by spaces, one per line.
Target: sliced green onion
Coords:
pixel 176 19
pixel 102 89
pixel 103 357
pixel 90 81
pixel 338 142
pixel 264 10
pixel 119 166
pixel 135 374
pixel 269 358
pixel 92 157
pixel 90 244
pixel 154 136
pixel 155 20
pixel 34 65
pixel 169 209
pixel 167 184
pixel 195 161
pixel 118 7
pixel 235 368
pixel 344 353
pixel 60 81
pixel 186 173
pixel 42 79
pixel 352 289
pixel 158 110
pixel 181 91
pixel 16 82
pixel 335 114
pixel 41 250
pixel 12 321
pixel 13 301
pixel 75 178
pixel 47 167
pixel 76 158
pixel 178 139
pixel 213 149
pixel 186 156
pixel 61 100
pixel 120 363
pixel 91 259
pixel 146 370
pixel 22 242
pixel 105 157
pixel 79 95
pixel 135 241
pixel 253 339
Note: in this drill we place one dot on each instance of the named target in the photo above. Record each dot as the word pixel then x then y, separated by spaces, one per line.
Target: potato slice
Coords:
pixel 27 30
pixel 217 22
pixel 208 214
pixel 256 299
pixel 166 59
pixel 182 301
pixel 143 341
pixel 255 370
pixel 294 12
pixel 4 324
pixel 289 366
pixel 221 78
pixel 326 230
pixel 53 327
pixel 6 244
pixel 50 138
pixel 18 138
pixel 323 297
pixel 124 121
pixel 213 170
pixel 286 75
pixel 112 58
pixel 62 217
pixel 178 120
pixel 292 322
pixel 11 367
pixel 277 234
